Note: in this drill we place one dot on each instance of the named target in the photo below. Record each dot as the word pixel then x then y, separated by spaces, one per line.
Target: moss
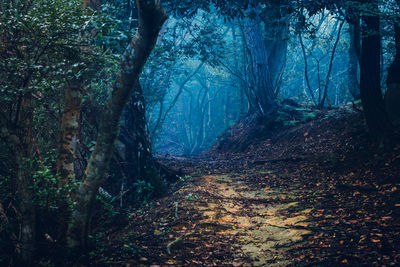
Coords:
pixel 309 116
pixel 290 123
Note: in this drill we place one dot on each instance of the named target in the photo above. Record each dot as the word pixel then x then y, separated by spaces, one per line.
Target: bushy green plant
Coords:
pixel 144 189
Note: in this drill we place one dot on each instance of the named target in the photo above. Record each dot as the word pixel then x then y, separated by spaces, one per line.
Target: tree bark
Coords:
pixel 151 18
pixel 135 136
pixel 352 74
pixel 260 76
pixel 276 21
pixel 68 144
pixel 392 97
pixel 17 134
pixel 69 140
pixel 303 49
pixel 328 75
pixel 370 77
pixel 69 132
pixel 162 117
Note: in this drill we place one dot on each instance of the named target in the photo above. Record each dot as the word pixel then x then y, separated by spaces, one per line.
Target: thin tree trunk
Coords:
pixel 328 75
pixel 303 49
pixel 162 118
pixel 354 85
pixel 151 18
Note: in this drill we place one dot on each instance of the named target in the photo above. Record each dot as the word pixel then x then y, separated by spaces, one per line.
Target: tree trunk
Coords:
pixel 69 141
pixel 66 151
pixel 260 76
pixel 135 136
pixel 276 21
pixel 328 75
pixel 70 121
pixel 370 77
pixel 306 76
pixel 26 209
pixel 354 85
pixel 151 18
pixel 20 140
pixel 162 117
pixel 392 97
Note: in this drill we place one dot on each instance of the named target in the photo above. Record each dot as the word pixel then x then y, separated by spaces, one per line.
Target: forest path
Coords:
pixel 255 222
pixel 284 212
pixel 229 217
pixel 315 194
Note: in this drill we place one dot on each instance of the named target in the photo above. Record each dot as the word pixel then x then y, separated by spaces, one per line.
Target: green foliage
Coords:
pixel 308 116
pixel 46 188
pixel 41 41
pixel 290 123
pixel 191 197
pixel 107 204
pixel 144 190
pixel 185 178
pixel 48 192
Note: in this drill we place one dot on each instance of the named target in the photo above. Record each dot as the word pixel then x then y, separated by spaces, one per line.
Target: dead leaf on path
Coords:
pixel 171 261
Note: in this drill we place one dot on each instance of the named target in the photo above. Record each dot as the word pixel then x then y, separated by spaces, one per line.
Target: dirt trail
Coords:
pixel 313 195
pixel 251 221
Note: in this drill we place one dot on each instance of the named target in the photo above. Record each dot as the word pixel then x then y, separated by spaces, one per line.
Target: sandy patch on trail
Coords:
pixel 257 227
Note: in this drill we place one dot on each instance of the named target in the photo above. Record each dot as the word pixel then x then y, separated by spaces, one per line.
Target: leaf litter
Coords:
pixel 325 198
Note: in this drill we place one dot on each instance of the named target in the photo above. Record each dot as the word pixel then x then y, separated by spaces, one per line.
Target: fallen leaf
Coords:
pixel 171 261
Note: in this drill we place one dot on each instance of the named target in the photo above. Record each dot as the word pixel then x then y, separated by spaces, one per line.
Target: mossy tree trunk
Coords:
pixel 151 18
pixel 276 27
pixel 69 138
pixel 139 162
pixel 17 134
pixel 260 79
pixel 68 145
